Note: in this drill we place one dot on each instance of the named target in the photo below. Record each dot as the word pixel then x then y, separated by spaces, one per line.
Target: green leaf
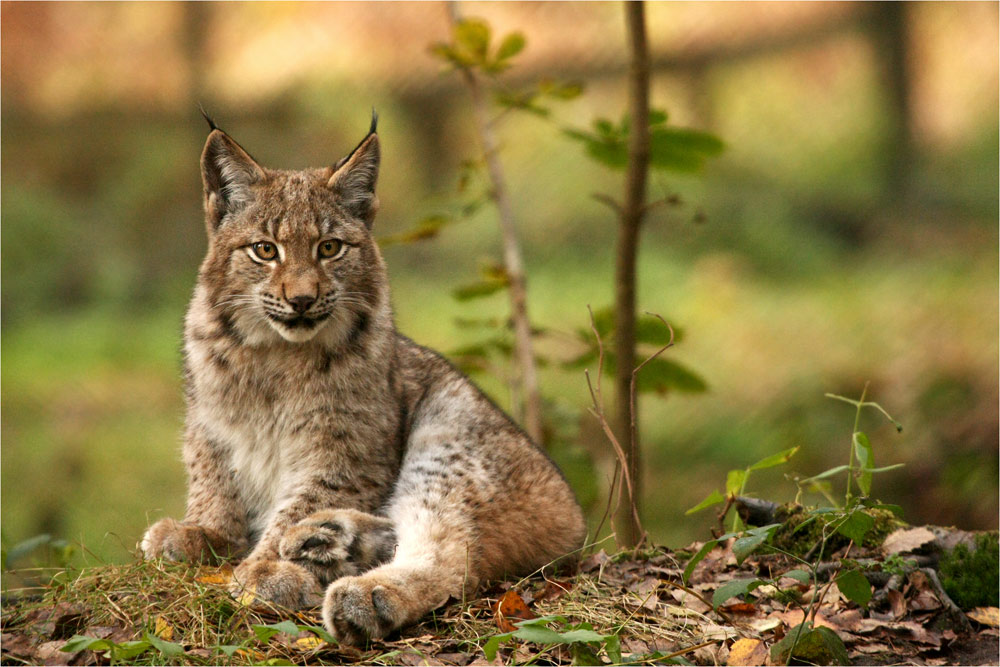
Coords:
pixel 827 473
pixel 537 635
pixel 265 632
pixel 228 649
pixel 734 482
pixel 128 650
pixel 866 460
pixel 427 228
pixel 580 635
pixel 895 509
pixel 613 646
pixel 22 549
pixel 83 643
pixel 511 45
pixel 855 587
pixel 450 54
pixel 714 498
pixel 660 375
pixel 582 654
pixel 566 90
pixel 774 460
pixel 817 646
pixel 746 545
pixel 800 576
pixel 473 36
pixel 681 149
pixel 169 649
pixel 733 589
pixel 478 290
pixel 492 645
pixel 856 526
pixel 697 558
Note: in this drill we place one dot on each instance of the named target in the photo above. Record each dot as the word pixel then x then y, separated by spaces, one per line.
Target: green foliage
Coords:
pixel 44 550
pixel 736 482
pixel 671 148
pixel 970 577
pixel 810 645
pixel 584 643
pixel 855 587
pixel 124 652
pixel 659 375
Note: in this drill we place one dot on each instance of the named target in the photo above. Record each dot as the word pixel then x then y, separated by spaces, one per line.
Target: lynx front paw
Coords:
pixel 357 609
pixel 174 540
pixel 338 543
pixel 276 581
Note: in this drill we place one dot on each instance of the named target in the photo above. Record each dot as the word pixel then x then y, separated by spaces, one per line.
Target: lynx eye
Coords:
pixel 265 250
pixel 331 248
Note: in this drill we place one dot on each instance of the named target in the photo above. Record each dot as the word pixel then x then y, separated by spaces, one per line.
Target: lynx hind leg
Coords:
pixel 339 542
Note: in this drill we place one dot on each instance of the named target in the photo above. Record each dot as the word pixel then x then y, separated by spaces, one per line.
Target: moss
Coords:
pixel 972 577
pixel 799 539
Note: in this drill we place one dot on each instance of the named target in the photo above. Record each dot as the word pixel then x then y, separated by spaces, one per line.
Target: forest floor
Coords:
pixel 633 607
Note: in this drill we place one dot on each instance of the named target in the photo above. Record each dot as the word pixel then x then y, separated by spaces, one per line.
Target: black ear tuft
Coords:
pixel 204 114
pixel 374 126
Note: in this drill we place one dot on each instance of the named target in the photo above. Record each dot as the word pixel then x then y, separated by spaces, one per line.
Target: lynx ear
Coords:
pixel 227 172
pixel 354 177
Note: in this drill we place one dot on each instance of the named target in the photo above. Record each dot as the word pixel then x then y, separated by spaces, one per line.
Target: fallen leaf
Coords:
pixel 308 643
pixel 765 624
pixel 986 615
pixel 897 602
pixel 247 597
pixel 511 606
pixel 906 540
pixel 739 608
pixel 554 589
pixel 747 652
pixel 163 630
pixel 594 561
pixel 218 576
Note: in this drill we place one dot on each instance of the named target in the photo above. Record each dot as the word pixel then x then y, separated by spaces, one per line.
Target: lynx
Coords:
pixel 323 448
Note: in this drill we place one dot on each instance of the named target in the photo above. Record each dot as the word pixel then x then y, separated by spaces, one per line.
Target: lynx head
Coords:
pixel 291 256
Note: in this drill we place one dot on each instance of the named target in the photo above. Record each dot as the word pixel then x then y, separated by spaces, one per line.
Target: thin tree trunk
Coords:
pixel 626 527
pixel 524 357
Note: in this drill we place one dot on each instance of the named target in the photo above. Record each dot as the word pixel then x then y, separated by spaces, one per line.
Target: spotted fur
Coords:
pixel 324 447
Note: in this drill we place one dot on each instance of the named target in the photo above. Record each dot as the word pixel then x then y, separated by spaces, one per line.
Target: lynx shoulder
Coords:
pixel 336 458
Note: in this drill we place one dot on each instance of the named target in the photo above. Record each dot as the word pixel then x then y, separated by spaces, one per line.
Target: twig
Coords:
pixel 513 262
pixel 597 410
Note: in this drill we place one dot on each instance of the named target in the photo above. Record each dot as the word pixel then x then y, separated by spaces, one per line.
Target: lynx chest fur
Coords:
pixel 339 460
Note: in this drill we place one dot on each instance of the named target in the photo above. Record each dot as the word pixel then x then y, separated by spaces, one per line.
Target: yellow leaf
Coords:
pixel 250 653
pixel 219 577
pixel 308 643
pixel 747 652
pixel 247 597
pixel 986 615
pixel 163 629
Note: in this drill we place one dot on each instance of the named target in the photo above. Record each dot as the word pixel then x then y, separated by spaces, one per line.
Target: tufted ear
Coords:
pixel 354 177
pixel 227 172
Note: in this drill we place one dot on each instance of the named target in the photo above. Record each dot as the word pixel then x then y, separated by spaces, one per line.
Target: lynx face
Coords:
pixel 291 256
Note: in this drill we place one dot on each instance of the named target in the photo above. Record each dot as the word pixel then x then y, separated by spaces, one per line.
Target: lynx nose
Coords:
pixel 301 303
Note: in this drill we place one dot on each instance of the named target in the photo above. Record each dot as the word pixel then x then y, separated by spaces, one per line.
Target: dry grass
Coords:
pixel 147 603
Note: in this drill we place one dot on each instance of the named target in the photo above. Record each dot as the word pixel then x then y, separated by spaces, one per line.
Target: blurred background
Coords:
pixel 848 234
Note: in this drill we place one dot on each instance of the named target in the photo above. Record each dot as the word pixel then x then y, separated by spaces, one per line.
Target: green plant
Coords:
pixel 584 643
pixel 824 529
pixel 970 576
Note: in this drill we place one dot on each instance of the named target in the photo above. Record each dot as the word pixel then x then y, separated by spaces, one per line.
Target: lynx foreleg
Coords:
pixel 214 526
pixel 336 543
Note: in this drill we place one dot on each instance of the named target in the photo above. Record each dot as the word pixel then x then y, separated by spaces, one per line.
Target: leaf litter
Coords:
pixel 625 608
